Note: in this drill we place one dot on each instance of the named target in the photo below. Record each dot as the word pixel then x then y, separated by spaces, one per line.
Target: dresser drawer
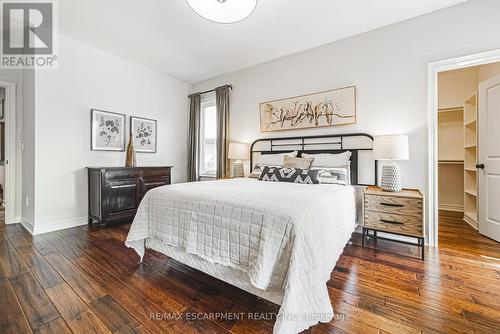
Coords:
pixel 394 205
pixel 407 224
pixel 154 173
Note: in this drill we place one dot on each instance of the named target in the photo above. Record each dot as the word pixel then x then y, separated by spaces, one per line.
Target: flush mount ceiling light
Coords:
pixel 223 11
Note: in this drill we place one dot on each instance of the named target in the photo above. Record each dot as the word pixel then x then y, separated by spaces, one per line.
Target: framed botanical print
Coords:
pixel 144 134
pixel 107 131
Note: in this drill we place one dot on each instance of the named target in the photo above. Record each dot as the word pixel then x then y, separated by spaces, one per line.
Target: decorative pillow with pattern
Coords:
pixel 302 163
pixel 340 175
pixel 292 175
pixel 329 159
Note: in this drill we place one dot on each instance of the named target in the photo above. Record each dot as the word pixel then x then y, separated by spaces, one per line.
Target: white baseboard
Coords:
pixel 60 225
pixel 28 226
pixel 451 207
pixel 474 224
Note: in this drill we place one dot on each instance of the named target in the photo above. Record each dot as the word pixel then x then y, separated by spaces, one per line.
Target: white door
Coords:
pixel 489 158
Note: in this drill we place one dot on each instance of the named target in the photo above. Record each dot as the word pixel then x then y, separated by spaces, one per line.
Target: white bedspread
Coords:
pixel 284 236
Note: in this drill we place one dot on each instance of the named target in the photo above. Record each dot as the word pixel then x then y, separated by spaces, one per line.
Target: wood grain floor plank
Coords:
pixel 37 307
pixel 43 246
pixel 57 326
pixel 85 287
pixel 10 260
pixel 133 299
pixel 12 318
pixel 70 249
pixel 74 311
pixel 18 239
pixel 115 317
pixel 39 267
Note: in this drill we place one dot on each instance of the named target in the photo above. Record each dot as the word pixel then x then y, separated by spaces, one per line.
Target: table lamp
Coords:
pixel 238 152
pixel 391 148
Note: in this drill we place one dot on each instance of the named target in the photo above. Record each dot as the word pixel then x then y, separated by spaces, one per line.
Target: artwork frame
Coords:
pixel 107 137
pixel 327 108
pixel 138 133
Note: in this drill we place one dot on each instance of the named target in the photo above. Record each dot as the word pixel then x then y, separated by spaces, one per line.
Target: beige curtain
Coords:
pixel 222 102
pixel 194 137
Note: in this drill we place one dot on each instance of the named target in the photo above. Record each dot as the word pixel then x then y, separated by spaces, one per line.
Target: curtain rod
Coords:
pixel 211 90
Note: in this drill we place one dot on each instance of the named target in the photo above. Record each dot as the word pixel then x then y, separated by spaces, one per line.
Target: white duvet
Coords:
pixel 286 237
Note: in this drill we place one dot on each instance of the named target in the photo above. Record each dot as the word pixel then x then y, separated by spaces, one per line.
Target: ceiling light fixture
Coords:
pixel 223 11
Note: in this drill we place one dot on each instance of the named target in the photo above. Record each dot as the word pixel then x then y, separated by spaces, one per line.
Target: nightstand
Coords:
pixel 394 213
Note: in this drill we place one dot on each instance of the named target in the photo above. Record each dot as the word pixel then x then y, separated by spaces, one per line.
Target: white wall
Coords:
pixel 16 77
pixel 389 66
pixel 28 155
pixel 454 87
pixel 488 71
pixel 89 78
pixel 2 168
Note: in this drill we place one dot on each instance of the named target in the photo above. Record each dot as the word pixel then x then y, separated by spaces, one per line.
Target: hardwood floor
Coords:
pixel 85 280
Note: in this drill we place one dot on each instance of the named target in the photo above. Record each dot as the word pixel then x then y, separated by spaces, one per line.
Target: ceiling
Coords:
pixel 166 35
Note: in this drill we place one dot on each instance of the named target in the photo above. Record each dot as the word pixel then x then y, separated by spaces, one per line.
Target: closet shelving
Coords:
pixel 451 159
pixel 451 162
pixel 470 161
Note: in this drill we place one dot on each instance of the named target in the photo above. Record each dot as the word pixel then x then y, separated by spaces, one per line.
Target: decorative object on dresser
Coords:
pixel 130 160
pixel 394 213
pixel 391 147
pixel 144 134
pixel 329 108
pixel 115 192
pixel 238 152
pixel 107 131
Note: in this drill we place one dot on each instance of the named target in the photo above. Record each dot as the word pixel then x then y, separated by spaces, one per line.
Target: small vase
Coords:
pixel 130 161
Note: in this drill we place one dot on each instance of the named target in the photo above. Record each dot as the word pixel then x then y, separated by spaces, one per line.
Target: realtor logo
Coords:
pixel 27 34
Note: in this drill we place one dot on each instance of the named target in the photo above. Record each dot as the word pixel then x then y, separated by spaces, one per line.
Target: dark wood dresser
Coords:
pixel 115 192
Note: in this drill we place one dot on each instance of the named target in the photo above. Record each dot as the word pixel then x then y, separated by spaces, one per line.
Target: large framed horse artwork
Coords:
pixel 329 108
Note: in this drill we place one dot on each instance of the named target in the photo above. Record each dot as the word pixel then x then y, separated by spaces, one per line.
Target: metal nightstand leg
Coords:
pixel 363 237
pixel 421 243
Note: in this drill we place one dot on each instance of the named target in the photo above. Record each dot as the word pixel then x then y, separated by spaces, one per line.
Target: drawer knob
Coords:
pixel 391 222
pixel 392 204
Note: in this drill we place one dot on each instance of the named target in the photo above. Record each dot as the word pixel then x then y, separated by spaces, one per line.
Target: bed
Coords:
pixel 279 241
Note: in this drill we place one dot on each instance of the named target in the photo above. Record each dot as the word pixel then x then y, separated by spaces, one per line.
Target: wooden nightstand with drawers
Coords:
pixel 394 213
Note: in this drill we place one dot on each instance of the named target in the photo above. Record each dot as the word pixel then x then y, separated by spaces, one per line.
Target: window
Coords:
pixel 208 136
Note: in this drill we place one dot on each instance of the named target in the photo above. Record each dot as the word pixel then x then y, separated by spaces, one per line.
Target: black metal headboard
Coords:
pixel 320 144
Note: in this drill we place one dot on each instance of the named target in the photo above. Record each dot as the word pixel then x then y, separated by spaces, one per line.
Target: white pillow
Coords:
pixel 277 159
pixel 329 160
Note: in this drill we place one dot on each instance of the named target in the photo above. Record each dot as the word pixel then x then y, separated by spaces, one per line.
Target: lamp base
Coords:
pixel 238 169
pixel 391 178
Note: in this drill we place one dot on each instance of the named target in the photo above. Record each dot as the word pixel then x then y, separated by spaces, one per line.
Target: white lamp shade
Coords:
pixel 391 147
pixel 238 151
pixel 223 11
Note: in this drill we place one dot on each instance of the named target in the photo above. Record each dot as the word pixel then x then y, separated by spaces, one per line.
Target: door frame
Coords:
pixel 11 169
pixel 432 168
